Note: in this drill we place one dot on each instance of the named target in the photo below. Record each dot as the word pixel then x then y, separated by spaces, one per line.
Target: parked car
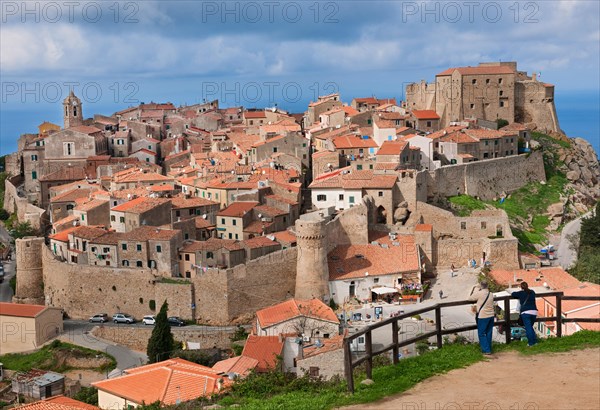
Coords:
pixel 517 333
pixel 100 317
pixel 149 320
pixel 123 318
pixel 175 321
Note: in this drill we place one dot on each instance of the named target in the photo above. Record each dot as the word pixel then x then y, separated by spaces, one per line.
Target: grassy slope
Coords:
pixel 398 378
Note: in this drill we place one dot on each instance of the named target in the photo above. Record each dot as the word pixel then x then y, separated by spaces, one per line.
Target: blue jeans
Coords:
pixel 528 321
pixel 485 328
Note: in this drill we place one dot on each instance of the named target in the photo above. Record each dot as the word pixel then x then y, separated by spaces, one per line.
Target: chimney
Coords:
pixel 534 76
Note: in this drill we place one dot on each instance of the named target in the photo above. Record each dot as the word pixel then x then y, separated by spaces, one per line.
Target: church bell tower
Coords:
pixel 72 111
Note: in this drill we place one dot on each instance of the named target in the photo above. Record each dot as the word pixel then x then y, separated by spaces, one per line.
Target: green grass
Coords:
pixel 394 379
pixel 47 358
pixel 463 205
pixel 547 141
pixel 174 281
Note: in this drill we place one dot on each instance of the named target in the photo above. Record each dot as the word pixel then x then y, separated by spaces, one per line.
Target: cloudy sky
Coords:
pixel 255 53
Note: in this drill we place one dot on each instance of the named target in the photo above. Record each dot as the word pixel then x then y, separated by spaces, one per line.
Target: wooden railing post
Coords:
pixel 507 333
pixel 369 352
pixel 348 366
pixel 395 349
pixel 559 314
pixel 438 326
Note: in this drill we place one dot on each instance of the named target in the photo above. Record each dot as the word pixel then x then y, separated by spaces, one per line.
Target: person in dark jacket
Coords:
pixel 528 311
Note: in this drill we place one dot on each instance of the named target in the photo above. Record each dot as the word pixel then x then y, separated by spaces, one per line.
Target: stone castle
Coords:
pixel 490 91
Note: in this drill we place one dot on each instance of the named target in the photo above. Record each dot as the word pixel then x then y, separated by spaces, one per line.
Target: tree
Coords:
pixel 22 229
pixel 501 122
pixel 161 342
pixel 87 395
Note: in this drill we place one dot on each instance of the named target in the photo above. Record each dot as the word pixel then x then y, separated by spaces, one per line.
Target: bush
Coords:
pixel 240 334
pixel 501 122
pixel 87 395
pixel 4 215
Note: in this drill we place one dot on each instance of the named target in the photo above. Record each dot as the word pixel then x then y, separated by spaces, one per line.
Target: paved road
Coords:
pixel 77 332
pixel 565 256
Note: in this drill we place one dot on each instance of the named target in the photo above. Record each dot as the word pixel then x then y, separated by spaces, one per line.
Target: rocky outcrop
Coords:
pixel 582 169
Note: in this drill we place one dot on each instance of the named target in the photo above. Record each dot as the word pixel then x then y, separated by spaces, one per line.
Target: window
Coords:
pixel 33 175
pixel 230 235
pixel 125 263
pixel 428 123
pixel 83 217
pixel 341 197
pixel 380 193
pixel 68 148
pixel 93 249
pixel 486 155
pixel 304 145
pixel 222 221
pixel 187 256
pixel 501 103
pixel 359 167
pixel 472 106
pixel 179 256
pixel 375 280
pixel 158 248
pixel 122 219
pixel 106 250
pixel 474 81
pixel 321 197
pixel 501 93
pixel 112 218
pixel 186 236
pixel 314 371
pixel 124 246
pixel 234 222
pixel 177 213
pixel 188 274
pixel 210 255
pixel 499 80
pixel 495 142
pixel 351 200
pixel 236 236
pixel 483 225
pixel 138 247
pixel 487 80
pixel 274 149
pixel 139 264
pixel 463 225
pixel 34 157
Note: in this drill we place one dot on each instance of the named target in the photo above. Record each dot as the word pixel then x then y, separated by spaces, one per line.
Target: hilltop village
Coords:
pixel 278 220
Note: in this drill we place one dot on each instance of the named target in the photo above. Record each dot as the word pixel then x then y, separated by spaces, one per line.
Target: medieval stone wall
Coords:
pixel 25 211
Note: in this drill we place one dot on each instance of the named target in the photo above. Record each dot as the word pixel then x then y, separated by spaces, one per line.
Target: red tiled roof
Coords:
pixel 490 70
pixel 86 129
pixel 392 147
pixel 59 403
pixel 63 236
pixel 265 349
pixel 353 141
pixel 424 228
pixel 71 196
pixel 284 236
pixel 238 209
pixel 344 263
pixel 193 202
pixel 425 115
pixel 364 179
pixel 266 210
pixel 169 381
pixel 259 242
pixel 327 345
pixel 255 114
pixel 140 205
pixel 20 310
pixel 556 278
pixel 212 244
pixel 294 308
pixel 241 365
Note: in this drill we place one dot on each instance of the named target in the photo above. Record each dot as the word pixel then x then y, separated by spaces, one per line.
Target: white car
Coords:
pixel 149 320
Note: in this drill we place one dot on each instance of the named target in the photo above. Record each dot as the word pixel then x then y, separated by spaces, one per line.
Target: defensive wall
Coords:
pixel 486 179
pixel 13 203
pixel 216 297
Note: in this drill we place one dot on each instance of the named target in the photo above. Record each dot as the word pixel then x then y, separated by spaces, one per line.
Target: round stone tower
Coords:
pixel 312 274
pixel 30 281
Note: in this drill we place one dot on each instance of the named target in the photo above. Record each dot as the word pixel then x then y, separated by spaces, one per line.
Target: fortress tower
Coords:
pixel 312 274
pixel 73 115
pixel 30 285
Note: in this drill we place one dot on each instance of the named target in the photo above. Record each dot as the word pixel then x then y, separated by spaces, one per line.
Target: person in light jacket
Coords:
pixel 484 315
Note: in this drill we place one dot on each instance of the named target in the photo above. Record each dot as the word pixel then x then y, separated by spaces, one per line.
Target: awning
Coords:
pixel 384 290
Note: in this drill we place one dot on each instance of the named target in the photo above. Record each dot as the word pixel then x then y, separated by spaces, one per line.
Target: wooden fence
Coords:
pixel 350 362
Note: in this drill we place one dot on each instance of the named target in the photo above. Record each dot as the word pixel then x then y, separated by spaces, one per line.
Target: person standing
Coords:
pixel 484 315
pixel 441 294
pixel 528 311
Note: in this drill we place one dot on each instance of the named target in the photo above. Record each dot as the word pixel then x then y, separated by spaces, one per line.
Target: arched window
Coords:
pixel 125 263
pixel 138 264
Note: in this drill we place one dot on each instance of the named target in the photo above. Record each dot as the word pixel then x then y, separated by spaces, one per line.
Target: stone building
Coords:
pixel 73 111
pixel 490 91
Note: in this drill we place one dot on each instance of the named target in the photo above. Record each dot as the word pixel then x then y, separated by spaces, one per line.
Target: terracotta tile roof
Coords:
pixel 241 365
pixel 327 345
pixel 192 202
pixel 144 233
pixel 169 381
pixel 425 115
pixel 63 236
pixel 556 278
pixel 68 173
pixel 459 137
pixel 94 203
pixel 445 131
pixel 141 176
pixel 145 150
pixel 353 141
pixel 392 147
pixel 162 188
pixel 212 244
pixel 344 263
pixel 140 205
pixel 258 242
pixel 257 227
pixel 265 349
pixel 254 114
pixel 284 237
pixel 260 143
pixel 71 196
pixel 364 179
pixel 20 310
pixel 110 238
pixel 294 308
pixel 279 198
pixel 59 403
pixel 238 209
pixel 424 228
pixel 270 211
pixel 202 223
pixel 483 70
pixel 88 232
pixel 349 110
pixel 86 129
pixel 320 154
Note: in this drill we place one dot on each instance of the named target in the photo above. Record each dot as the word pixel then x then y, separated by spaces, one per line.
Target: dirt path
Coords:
pixel 508 381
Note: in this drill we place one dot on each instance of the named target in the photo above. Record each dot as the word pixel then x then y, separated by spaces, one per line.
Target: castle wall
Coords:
pixel 487 179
